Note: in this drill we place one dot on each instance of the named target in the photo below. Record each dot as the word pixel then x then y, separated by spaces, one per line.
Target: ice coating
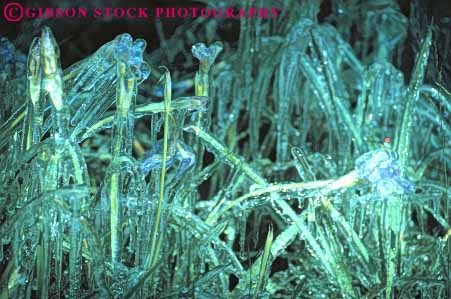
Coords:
pixel 131 52
pixel 206 55
pixel 381 168
pixel 81 220
pixel 181 152
pixel 53 78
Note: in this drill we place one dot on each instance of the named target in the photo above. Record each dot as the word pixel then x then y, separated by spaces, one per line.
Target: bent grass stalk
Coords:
pixel 298 226
pixel 179 104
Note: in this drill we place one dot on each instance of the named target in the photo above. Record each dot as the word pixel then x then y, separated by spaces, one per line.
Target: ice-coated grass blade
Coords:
pixel 156 234
pixel 265 262
pixel 404 130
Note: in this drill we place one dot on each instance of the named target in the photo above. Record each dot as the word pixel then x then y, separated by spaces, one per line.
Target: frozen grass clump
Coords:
pixel 300 160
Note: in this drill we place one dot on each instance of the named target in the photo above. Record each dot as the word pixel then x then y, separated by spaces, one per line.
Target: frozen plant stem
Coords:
pixel 122 143
pixel 327 186
pixel 206 57
pixel 34 112
pixel 328 69
pixel 167 108
pixel 345 181
pixel 53 85
pixel 221 150
pixel 124 114
pixel 184 103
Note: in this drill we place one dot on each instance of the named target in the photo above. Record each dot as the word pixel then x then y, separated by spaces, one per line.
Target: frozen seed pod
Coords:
pixel 53 76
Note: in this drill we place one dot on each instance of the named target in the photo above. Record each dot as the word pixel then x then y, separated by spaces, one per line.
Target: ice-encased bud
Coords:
pixel 381 168
pixel 53 76
pixel 50 52
pixel 126 91
pixel 34 58
pixel 206 55
pixel 131 53
pixel 34 70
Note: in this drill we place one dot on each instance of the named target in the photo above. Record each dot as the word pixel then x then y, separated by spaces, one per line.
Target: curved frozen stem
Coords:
pixel 326 187
pixel 183 103
pixel 292 217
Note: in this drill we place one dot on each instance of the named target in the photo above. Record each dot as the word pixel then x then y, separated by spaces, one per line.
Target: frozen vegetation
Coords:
pixel 300 160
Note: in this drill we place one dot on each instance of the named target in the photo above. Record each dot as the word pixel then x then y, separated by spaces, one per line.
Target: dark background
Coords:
pixel 78 38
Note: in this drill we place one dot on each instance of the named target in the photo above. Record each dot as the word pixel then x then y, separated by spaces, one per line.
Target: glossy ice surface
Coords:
pixel 305 156
pixel 381 168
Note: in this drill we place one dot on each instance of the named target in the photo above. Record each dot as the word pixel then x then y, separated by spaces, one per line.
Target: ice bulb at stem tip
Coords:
pixel 206 55
pixel 131 52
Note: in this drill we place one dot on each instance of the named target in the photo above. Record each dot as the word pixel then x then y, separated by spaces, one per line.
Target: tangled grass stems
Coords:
pixel 201 196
